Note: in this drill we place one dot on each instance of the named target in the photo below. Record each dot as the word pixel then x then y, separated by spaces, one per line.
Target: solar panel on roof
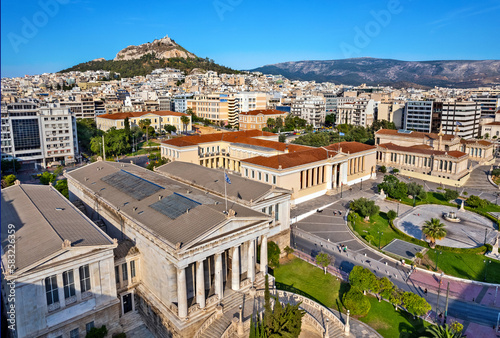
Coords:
pixel 174 205
pixel 132 185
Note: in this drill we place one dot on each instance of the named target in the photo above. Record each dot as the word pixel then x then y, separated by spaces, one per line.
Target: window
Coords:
pixel 267 177
pixel 74 333
pixel 260 176
pixel 69 283
pixel 274 179
pixel 246 172
pixel 84 278
pixel 132 269
pixel 270 210
pixel 264 210
pixel 124 272
pixel 117 274
pixel 253 174
pixel 51 290
pixel 276 212
pixel 89 326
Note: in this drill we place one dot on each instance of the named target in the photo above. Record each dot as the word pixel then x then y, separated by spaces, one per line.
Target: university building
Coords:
pixel 63 276
pixel 306 171
pixel 257 119
pixel 441 158
pixel 190 247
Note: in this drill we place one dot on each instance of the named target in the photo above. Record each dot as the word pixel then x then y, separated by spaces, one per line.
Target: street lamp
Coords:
pixel 486 268
pixel 379 237
pixel 361 187
pixel 437 258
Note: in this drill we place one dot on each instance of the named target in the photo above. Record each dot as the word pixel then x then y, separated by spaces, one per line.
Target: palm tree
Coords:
pixel 185 122
pixel 145 124
pixel 442 332
pixel 271 123
pixel 433 230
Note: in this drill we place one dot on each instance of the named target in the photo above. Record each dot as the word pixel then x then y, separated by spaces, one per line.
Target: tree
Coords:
pixel 323 260
pixel 393 187
pixel 362 278
pixel 144 124
pixel 355 302
pixel 415 304
pixel 476 202
pixel 329 120
pixel 47 178
pixel 279 122
pixel 495 172
pixel 364 207
pixel 451 194
pixel 383 286
pixel 126 127
pixel 86 129
pixel 282 138
pixel 370 238
pixel 8 180
pixel 170 128
pixel 444 331
pixel 414 189
pixel 185 122
pixel 97 332
pixel 433 230
pixel 62 187
pixel 383 169
pixel 271 123
pixel 289 251
pixel 10 165
pixel 391 215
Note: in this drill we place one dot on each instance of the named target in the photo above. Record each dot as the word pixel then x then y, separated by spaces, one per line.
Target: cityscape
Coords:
pixel 175 169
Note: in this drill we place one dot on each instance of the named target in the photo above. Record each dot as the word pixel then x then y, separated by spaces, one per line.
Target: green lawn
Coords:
pixel 303 278
pixel 462 265
pixel 377 223
pixel 390 323
pixel 469 266
pixel 432 198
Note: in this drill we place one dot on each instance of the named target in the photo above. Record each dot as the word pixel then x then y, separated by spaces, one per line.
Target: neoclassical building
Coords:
pixel 306 171
pixel 57 266
pixel 480 151
pixel 447 167
pixel 190 250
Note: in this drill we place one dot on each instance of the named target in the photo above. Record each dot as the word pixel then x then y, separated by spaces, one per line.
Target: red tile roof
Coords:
pixel 392 146
pixel 493 123
pixel 265 112
pixel 310 155
pixel 413 134
pixel 122 116
pixel 481 142
pixel 242 136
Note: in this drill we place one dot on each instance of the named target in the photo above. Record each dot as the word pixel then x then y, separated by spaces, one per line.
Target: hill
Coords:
pixel 372 71
pixel 143 59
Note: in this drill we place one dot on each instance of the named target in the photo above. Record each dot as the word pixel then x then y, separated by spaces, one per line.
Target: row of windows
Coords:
pixel 52 290
pixel 59 118
pixel 270 211
pixel 125 272
pixel 260 176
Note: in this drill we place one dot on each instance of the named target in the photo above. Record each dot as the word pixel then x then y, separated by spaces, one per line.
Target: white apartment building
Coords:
pixel 244 102
pixel 180 103
pixel 310 108
pixel 360 112
pixel 418 116
pixel 39 136
pixel 464 115
pixel 489 104
pixel 82 106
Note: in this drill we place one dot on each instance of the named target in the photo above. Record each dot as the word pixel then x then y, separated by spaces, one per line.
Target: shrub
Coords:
pixel 355 302
pixel 362 279
pixel 496 172
pixel 273 254
pixel 97 332
pixel 120 335
pixel 476 202
pixel 383 169
pixel 47 178
pixel 465 193
pixel 451 194
pixel 8 180
pixel 395 171
pixel 456 326
pixel 391 214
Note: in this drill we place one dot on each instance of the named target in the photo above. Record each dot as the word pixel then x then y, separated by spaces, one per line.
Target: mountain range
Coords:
pixel 396 73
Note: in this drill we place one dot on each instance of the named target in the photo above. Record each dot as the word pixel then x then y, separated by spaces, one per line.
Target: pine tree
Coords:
pixel 267 304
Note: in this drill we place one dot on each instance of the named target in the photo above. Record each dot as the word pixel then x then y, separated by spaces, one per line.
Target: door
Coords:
pixel 127 303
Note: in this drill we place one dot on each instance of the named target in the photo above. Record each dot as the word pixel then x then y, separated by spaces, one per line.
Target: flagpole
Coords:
pixel 225 191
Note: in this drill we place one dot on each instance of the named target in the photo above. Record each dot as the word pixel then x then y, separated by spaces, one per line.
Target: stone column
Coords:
pixel 251 260
pixel 129 273
pixel 334 179
pixel 182 306
pixel 235 269
pixel 363 168
pixel 200 284
pixel 218 276
pixel 263 254
pixel 78 290
pixel 60 290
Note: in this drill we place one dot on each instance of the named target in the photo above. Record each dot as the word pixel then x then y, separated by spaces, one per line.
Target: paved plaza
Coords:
pixel 403 249
pixel 468 233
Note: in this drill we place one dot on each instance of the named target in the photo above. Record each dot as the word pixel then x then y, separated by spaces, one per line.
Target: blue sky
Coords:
pixel 50 35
